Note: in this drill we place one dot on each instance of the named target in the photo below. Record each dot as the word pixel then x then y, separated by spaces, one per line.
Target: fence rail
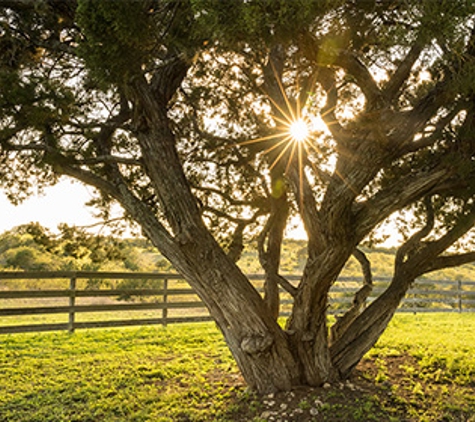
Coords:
pixel 128 299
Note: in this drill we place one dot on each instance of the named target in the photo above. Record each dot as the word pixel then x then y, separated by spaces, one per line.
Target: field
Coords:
pixel 423 369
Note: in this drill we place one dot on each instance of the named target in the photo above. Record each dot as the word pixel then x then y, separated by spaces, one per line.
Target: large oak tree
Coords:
pixel 182 112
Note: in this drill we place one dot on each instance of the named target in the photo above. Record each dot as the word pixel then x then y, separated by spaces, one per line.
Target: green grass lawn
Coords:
pixel 185 373
pixel 427 364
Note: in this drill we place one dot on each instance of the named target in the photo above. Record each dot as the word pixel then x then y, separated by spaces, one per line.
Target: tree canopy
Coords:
pixel 183 113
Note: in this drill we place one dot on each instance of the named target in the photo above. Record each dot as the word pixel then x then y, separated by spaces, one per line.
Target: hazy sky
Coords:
pixel 62 203
pixel 65 203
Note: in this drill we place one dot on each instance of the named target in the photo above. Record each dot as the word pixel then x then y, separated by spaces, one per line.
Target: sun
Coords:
pixel 299 130
pixel 294 135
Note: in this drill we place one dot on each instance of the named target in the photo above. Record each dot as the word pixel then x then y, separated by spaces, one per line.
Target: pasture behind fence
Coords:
pixel 50 301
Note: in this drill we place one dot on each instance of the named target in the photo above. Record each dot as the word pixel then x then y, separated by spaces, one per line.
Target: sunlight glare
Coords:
pixel 299 130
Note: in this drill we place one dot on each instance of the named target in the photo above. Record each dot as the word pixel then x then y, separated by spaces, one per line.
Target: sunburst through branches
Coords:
pixel 299 130
pixel 293 138
pixel 290 139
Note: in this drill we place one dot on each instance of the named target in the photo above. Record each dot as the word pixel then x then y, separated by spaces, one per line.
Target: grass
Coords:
pixel 444 345
pixel 422 369
pixel 427 364
pixel 115 375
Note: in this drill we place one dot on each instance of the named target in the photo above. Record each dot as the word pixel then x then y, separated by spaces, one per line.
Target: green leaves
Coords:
pixel 121 39
pixel 70 104
pixel 32 247
pixel 257 21
pixel 116 37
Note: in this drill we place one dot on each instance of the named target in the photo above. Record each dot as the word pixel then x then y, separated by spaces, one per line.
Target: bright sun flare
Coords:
pixel 298 130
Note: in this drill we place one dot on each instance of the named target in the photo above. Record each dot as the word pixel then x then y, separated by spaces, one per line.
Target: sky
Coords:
pixel 65 203
pixel 62 203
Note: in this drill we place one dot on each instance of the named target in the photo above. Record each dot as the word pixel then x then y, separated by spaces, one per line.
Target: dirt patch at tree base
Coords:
pixel 354 400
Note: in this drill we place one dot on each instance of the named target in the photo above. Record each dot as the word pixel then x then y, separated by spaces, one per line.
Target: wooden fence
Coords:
pixel 73 300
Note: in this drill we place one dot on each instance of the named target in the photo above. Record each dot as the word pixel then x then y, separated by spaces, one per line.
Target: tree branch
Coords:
pixel 359 300
pixel 168 77
pixel 272 86
pixel 435 136
pixel 101 159
pixel 134 206
pixel 228 198
pixel 307 87
pixel 32 146
pixel 270 245
pixel 237 244
pixel 287 286
pixel 400 76
pixel 228 217
pixel 326 78
pixel 415 257
pixel 365 266
pixel 425 257
pixel 414 242
pixel 398 195
pixel 449 261
pixel 307 207
pixel 415 119
pixel 364 79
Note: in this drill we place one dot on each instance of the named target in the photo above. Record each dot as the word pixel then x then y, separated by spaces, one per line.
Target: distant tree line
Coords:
pixel 31 247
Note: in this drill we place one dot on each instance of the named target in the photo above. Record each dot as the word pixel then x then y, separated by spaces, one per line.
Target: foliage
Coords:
pixel 382 263
pixel 116 38
pixel 31 247
pixel 27 258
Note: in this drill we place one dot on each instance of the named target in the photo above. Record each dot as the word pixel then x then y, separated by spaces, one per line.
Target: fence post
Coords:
pixel 72 303
pixel 165 302
pixel 459 289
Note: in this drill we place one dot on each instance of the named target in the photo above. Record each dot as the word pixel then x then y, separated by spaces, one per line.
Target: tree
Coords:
pixel 183 111
pixel 33 247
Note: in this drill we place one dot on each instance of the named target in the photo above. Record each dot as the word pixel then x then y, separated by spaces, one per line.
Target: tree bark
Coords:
pixel 308 322
pixel 259 345
pixel 343 322
pixel 365 330
pixel 270 244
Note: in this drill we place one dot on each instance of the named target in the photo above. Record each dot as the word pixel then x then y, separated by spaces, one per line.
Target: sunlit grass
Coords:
pixel 438 341
pixel 434 355
pixel 146 374
pixel 186 372
pixel 452 333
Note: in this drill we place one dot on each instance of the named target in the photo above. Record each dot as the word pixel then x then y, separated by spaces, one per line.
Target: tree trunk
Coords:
pixel 363 333
pixel 270 242
pixel 269 358
pixel 261 348
pixel 308 322
pixel 359 300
